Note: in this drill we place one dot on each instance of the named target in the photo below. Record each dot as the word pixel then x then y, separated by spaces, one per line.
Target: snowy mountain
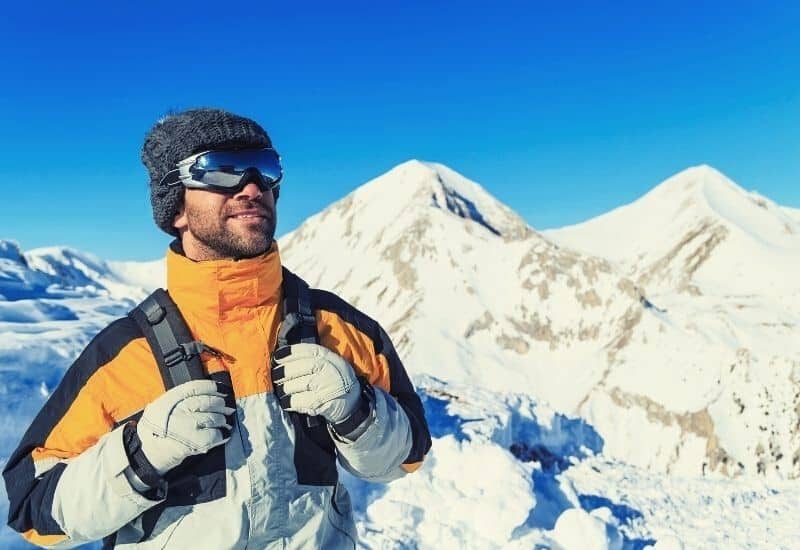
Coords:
pixel 472 294
pixel 465 288
pixel 699 233
pixel 563 373
pixel 719 268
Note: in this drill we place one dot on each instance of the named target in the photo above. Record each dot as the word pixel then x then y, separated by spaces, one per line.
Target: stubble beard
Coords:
pixel 222 242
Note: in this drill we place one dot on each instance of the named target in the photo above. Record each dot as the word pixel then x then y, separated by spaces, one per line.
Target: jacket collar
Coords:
pixel 217 288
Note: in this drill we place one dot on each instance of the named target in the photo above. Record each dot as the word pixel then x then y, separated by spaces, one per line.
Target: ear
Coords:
pixel 180 221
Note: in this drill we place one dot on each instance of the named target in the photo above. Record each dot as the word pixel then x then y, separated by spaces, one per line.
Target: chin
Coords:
pixel 255 247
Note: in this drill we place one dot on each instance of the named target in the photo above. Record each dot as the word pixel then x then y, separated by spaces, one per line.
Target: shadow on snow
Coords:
pixel 555 448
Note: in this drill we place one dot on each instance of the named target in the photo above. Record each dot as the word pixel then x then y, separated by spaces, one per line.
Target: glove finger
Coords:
pixel 297 385
pixel 210 420
pixel 282 373
pixel 303 402
pixel 204 403
pixel 297 352
pixel 294 368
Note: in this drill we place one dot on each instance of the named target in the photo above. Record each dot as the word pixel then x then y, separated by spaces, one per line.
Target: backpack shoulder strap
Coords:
pixel 176 352
pixel 299 323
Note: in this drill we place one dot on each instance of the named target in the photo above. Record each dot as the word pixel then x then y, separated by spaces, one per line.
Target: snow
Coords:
pixel 761 239
pixel 86 272
pixel 697 512
pixel 145 275
pixel 583 390
pixel 507 472
pixel 577 528
pixel 34 311
pixel 458 513
pixel 656 331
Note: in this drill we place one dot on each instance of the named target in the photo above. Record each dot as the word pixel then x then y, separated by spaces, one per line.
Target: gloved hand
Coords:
pixel 186 420
pixel 313 380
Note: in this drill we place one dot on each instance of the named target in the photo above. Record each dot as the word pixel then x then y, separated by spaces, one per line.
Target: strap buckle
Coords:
pixel 175 356
pixel 184 352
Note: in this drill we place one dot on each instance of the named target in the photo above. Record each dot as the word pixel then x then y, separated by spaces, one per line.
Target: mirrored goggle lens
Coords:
pixel 223 169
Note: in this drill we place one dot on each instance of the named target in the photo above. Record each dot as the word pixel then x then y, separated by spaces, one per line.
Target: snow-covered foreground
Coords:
pixel 506 472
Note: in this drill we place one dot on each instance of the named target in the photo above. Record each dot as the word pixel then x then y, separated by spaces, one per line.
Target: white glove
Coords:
pixel 313 380
pixel 184 421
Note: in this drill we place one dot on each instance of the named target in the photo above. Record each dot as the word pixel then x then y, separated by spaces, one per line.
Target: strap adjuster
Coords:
pixel 174 356
pixel 184 352
pixel 307 319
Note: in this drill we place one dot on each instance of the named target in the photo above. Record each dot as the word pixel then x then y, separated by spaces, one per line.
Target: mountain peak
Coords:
pixel 414 166
pixel 411 189
pixel 696 229
pixel 701 171
pixel 695 179
pixel 9 250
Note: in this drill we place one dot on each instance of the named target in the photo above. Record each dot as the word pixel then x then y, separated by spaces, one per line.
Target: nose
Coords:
pixel 251 190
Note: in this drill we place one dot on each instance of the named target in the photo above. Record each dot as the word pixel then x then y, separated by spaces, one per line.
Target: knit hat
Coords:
pixel 179 135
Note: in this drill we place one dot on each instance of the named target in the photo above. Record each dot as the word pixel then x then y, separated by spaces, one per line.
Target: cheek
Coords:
pixel 269 198
pixel 201 209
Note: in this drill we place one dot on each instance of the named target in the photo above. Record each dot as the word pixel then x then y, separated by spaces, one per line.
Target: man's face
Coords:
pixel 215 226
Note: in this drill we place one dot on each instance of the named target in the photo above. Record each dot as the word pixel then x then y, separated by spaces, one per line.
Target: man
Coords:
pixel 246 456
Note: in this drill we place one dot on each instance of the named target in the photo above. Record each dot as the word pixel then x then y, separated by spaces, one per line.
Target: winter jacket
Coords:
pixel 274 484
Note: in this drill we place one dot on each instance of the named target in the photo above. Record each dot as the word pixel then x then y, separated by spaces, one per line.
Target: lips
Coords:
pixel 250 214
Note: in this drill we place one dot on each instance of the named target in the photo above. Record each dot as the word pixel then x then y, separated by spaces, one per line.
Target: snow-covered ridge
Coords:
pixel 80 270
pixel 17 279
pixel 695 193
pixel 9 250
pixel 38 285
pixel 421 185
pixel 696 232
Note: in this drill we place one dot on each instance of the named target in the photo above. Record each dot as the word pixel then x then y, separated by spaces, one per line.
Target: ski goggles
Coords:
pixel 228 171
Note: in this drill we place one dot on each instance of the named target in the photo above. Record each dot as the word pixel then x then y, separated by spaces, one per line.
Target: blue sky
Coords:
pixel 561 110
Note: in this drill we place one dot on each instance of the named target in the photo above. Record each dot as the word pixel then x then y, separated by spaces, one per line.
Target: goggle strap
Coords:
pixel 170 183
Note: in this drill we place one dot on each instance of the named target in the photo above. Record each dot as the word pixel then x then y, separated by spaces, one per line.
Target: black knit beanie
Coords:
pixel 179 135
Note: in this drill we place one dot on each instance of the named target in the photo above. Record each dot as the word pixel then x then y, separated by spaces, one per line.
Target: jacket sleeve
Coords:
pixel 379 452
pixel 66 481
pixel 398 439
